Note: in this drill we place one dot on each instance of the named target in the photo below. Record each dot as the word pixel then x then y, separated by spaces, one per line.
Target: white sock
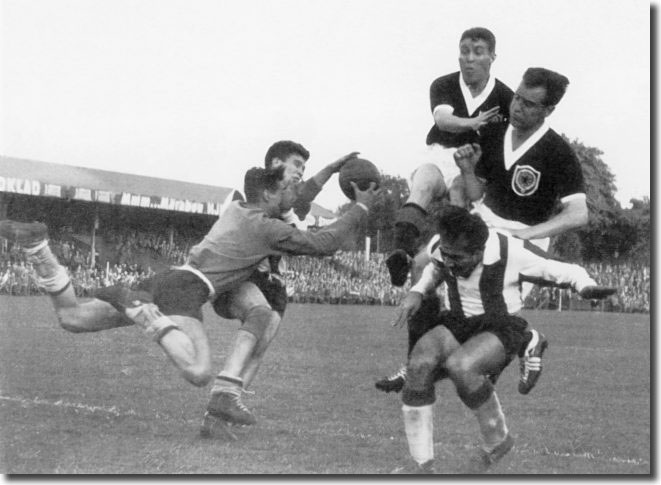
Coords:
pixel 492 423
pixel 227 383
pixel 419 426
pixel 51 275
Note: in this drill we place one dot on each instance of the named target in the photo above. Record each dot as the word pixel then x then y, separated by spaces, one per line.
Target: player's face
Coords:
pixel 287 195
pixel 294 167
pixel 527 109
pixel 475 60
pixel 458 259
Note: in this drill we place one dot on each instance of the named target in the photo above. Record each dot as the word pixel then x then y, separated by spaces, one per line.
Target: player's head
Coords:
pixel 289 153
pixel 463 236
pixel 268 188
pixel 477 50
pixel 536 97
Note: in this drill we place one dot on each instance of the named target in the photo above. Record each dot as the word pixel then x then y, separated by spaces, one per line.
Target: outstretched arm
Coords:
pixel 574 214
pixel 288 240
pixel 446 121
pixel 308 190
pixel 325 173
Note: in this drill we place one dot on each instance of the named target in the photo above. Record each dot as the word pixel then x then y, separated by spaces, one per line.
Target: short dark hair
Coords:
pixel 259 179
pixel 554 83
pixel 480 33
pixel 455 223
pixel 283 149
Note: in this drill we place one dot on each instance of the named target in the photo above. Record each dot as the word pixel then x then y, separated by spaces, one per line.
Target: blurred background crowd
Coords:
pixel 129 256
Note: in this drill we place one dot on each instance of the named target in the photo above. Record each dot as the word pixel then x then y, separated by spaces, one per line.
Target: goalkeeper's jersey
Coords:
pixel 244 235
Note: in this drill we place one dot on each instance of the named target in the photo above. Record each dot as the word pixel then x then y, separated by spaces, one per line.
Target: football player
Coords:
pixel 479 334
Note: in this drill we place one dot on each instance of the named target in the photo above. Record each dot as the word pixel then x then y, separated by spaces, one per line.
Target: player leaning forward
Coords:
pixel 480 333
pixel 170 311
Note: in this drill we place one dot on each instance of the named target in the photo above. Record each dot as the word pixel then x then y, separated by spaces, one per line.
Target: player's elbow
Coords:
pixel 581 217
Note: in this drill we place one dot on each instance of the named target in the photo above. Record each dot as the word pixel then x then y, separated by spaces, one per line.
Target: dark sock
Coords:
pixel 409 224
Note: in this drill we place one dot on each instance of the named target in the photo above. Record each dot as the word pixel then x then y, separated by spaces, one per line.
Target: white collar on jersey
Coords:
pixel 511 156
pixel 472 103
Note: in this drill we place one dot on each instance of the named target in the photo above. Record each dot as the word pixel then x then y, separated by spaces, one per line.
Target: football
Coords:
pixel 360 171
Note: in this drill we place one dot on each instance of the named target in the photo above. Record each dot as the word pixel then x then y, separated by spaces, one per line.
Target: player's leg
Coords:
pixel 494 342
pixel 259 326
pixel 419 323
pixel 418 395
pixel 74 315
pixel 532 350
pixel 170 315
pixel 467 368
pixel 427 183
pixel 274 290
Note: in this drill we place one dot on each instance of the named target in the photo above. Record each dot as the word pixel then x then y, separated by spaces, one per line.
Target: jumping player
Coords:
pixel 524 170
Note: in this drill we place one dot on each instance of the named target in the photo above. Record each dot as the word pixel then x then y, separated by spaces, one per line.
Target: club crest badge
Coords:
pixel 525 180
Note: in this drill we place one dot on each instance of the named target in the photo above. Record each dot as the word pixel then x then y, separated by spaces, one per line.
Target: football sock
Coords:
pixel 492 423
pixel 51 276
pixel 227 383
pixel 528 336
pixel 409 224
pixel 419 427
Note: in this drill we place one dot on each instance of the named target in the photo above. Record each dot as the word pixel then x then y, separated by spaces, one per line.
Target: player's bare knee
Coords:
pixel 474 398
pixel 198 375
pixel 459 368
pixel 419 386
pixel 260 320
pixel 427 183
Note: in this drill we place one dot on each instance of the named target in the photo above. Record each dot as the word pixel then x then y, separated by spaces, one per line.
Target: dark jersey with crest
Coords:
pixel 446 90
pixel 530 189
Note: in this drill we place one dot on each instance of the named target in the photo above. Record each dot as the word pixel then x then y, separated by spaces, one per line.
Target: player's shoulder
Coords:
pixel 503 88
pixel 447 79
pixel 492 248
pixel 558 145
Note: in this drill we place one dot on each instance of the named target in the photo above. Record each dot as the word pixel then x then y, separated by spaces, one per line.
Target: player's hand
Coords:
pixel 339 163
pixel 407 308
pixel 368 196
pixel 520 234
pixel 596 292
pixel 466 157
pixel 485 117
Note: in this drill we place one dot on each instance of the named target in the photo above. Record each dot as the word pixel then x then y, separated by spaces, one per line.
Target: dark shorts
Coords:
pixel 509 329
pixel 272 287
pixel 177 292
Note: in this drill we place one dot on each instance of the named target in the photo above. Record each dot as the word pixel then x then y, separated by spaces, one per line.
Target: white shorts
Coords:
pixel 442 157
pixel 505 225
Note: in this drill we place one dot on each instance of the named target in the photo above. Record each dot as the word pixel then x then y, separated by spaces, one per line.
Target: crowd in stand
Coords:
pixel 127 243
pixel 345 278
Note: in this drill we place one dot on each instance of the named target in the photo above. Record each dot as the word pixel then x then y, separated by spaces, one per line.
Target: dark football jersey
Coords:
pixel 530 189
pixel 446 90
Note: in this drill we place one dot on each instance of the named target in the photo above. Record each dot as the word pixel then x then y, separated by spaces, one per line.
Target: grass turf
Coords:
pixel 110 402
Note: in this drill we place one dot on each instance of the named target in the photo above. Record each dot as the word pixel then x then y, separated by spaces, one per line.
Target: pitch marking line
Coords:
pixel 588 455
pixel 25 402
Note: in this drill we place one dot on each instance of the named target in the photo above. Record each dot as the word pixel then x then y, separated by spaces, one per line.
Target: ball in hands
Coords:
pixel 360 171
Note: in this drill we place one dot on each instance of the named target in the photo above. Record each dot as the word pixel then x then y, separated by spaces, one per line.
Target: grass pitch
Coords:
pixel 111 403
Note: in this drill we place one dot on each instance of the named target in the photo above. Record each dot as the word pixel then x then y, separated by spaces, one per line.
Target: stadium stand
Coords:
pixel 110 228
